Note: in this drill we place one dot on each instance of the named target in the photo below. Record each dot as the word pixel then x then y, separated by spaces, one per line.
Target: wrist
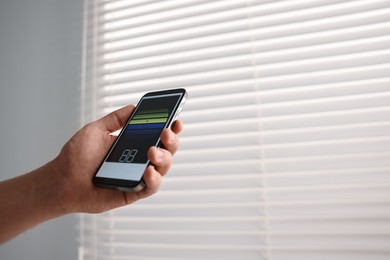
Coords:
pixel 57 188
pixel 47 187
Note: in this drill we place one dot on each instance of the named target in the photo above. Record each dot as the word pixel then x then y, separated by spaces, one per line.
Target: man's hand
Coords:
pixel 64 185
pixel 82 154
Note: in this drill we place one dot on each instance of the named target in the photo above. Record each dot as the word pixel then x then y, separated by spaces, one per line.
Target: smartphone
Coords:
pixel 126 161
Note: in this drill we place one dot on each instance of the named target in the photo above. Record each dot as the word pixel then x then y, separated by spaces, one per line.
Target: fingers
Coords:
pixel 170 141
pixel 115 120
pixel 152 179
pixel 114 198
pixel 177 126
pixel 161 159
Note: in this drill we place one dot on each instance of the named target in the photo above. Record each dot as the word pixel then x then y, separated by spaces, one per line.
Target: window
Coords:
pixel 286 148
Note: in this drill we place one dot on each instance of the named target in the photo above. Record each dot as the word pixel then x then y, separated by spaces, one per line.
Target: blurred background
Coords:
pixel 40 68
pixel 285 153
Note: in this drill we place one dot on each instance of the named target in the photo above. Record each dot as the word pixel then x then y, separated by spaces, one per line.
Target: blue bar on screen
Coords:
pixel 145 126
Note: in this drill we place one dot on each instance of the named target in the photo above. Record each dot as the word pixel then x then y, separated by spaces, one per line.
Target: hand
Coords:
pixel 81 156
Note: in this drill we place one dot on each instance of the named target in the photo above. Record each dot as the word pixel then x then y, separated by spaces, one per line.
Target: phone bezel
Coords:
pixel 131 185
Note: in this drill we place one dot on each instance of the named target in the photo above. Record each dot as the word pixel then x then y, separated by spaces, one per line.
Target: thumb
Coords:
pixel 115 120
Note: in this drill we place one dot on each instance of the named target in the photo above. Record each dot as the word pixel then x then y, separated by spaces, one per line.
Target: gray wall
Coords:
pixel 40 55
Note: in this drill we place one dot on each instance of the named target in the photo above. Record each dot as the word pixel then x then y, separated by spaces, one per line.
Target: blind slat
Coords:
pixel 286 147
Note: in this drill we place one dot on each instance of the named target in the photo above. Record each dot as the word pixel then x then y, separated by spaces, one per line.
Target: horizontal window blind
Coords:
pixel 286 147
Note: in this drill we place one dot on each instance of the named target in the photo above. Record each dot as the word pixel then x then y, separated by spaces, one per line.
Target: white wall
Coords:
pixel 40 53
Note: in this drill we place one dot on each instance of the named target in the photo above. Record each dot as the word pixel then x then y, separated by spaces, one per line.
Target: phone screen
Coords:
pixel 127 158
